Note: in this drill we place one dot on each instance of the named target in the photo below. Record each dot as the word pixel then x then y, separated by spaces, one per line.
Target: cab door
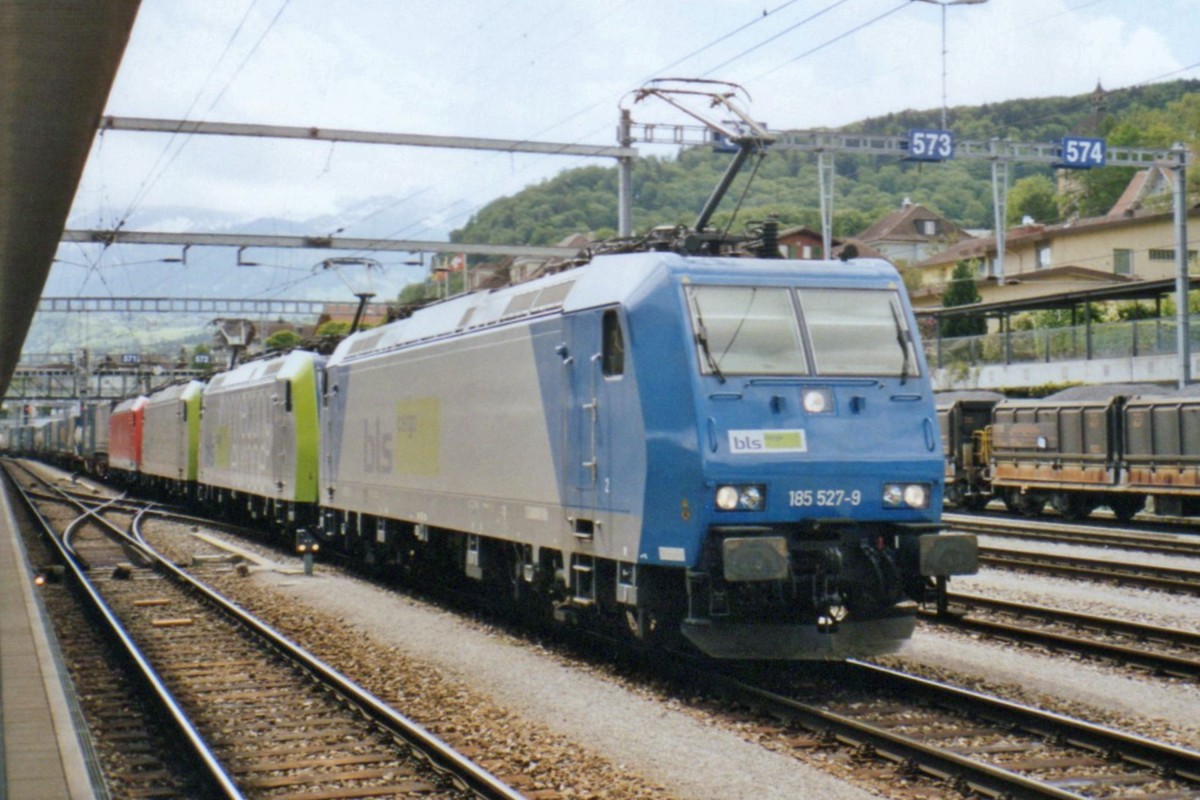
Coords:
pixel 594 401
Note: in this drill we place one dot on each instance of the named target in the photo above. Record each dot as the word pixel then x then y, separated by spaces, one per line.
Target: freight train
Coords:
pixel 1074 455
pixel 739 453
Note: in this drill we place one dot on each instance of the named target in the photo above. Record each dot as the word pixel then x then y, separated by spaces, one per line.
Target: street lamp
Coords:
pixel 943 4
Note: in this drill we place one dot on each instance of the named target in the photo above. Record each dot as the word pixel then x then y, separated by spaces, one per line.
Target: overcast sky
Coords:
pixel 548 70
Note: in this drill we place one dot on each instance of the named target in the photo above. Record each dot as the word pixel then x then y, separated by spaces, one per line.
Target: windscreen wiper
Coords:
pixel 902 339
pixel 702 340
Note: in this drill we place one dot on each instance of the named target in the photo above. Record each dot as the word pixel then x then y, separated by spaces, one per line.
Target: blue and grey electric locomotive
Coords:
pixel 744 451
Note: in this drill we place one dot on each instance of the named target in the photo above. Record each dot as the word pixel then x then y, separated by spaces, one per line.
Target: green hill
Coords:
pixel 672 190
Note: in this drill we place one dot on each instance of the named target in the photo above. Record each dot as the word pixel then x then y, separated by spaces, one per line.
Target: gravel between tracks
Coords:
pixel 645 737
pixel 685 751
pixel 1156 707
pixel 644 746
pixel 647 747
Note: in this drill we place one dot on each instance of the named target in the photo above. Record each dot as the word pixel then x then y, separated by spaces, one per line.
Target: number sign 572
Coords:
pixel 930 145
pixel 1082 153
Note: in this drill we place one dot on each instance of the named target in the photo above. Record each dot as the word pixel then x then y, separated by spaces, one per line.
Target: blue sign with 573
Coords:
pixel 930 145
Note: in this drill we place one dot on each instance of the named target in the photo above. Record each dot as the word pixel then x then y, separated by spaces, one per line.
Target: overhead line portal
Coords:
pixel 244 240
pixel 190 127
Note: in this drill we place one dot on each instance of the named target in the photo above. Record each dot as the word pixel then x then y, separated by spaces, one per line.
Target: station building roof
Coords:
pixel 58 61
pixel 1129 290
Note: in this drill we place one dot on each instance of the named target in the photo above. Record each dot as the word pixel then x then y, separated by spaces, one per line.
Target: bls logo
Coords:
pixel 745 444
pixel 776 441
pixel 377 447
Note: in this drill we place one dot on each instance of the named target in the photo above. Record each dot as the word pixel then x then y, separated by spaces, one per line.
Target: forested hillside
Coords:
pixel 672 190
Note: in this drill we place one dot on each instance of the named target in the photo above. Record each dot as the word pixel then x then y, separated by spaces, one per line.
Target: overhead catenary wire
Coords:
pixel 812 17
pixel 777 36
pixel 443 212
pixel 834 40
pixel 768 13
pixel 464 212
pixel 166 157
pixel 155 173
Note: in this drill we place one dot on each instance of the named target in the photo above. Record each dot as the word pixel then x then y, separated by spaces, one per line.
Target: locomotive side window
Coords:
pixel 746 330
pixel 613 359
pixel 857 332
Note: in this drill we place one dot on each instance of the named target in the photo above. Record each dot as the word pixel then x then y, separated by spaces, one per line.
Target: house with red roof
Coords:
pixel 912 234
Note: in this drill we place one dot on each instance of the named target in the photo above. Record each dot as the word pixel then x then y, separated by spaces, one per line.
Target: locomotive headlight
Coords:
pixel 817 401
pixel 916 495
pixel 727 498
pixel 750 497
pixel 906 495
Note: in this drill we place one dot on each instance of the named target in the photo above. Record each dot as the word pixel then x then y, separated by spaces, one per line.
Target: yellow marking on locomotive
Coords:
pixel 418 436
pixel 223 447
pixel 783 440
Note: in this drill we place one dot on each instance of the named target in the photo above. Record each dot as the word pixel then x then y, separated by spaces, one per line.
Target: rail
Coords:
pixel 1121 642
pixel 441 756
pixel 926 727
pixel 220 781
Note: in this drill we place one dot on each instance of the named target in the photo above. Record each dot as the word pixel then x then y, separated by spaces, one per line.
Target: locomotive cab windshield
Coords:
pixel 755 330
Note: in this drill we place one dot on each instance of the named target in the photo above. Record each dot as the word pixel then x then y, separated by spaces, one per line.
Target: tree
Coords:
pixel 670 190
pixel 415 293
pixel 282 340
pixel 449 284
pixel 1033 197
pixel 334 328
pixel 963 291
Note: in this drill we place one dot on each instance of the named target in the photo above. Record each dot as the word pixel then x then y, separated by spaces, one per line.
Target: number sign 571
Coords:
pixel 930 145
pixel 1082 153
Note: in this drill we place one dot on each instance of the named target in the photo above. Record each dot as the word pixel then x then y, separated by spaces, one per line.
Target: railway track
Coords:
pixel 1159 650
pixel 264 717
pixel 980 747
pixel 1163 542
pixel 128 732
pixel 1168 579
pixel 1164 578
pixel 976 744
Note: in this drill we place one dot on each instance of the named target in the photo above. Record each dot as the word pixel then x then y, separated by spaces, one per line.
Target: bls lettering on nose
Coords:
pixel 377 447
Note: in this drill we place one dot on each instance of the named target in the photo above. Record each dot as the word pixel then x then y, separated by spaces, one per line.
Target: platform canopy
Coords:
pixel 58 61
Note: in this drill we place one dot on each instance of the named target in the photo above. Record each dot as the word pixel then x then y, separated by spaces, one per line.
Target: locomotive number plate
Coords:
pixel 806 498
